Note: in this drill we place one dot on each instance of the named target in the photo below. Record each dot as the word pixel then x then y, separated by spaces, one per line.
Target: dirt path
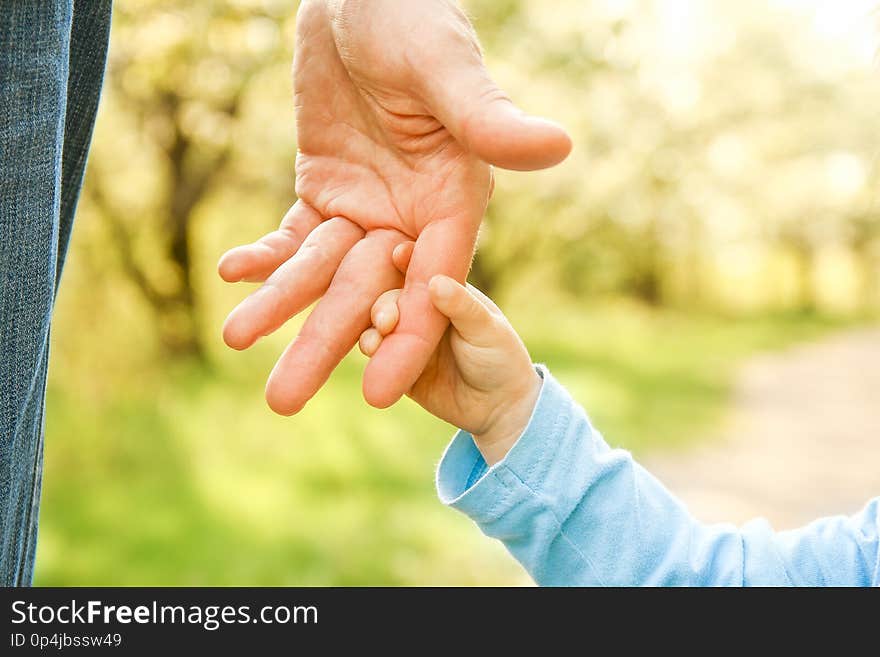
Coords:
pixel 802 439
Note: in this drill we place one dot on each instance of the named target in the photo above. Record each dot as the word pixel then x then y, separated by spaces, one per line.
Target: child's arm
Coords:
pixel 574 511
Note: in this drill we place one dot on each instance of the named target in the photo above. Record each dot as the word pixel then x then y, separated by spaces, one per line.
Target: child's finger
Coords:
pixel 384 313
pixel 486 301
pixel 401 255
pixel 369 342
pixel 470 316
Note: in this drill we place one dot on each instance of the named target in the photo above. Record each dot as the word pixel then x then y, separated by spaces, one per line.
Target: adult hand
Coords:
pixel 397 123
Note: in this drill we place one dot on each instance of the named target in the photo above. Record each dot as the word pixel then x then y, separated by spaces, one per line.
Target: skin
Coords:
pixel 480 377
pixel 397 122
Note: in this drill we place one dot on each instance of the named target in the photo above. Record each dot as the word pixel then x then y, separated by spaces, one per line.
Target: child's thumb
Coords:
pixel 470 317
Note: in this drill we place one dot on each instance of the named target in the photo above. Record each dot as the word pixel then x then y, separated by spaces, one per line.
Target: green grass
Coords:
pixel 174 475
pixel 653 378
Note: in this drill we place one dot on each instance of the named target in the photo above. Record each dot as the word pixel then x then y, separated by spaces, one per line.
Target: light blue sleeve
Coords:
pixel 575 512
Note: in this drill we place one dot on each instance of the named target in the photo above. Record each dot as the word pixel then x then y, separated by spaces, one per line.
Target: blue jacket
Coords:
pixel 573 511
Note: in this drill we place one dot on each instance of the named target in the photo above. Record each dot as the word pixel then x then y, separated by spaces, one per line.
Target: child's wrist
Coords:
pixel 510 421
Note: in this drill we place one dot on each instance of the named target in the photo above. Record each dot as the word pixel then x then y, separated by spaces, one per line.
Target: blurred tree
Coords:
pixel 177 79
pixel 701 129
pixel 864 240
pixel 191 172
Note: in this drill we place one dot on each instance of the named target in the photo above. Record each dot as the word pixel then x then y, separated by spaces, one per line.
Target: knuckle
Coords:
pixel 473 307
pixel 315 252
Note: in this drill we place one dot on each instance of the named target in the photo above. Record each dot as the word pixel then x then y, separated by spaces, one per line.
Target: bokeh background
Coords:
pixel 721 200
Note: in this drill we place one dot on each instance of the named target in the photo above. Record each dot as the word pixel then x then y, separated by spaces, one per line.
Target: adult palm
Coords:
pixel 397 121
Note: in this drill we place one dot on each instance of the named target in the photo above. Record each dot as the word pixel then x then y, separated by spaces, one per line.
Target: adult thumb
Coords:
pixel 485 121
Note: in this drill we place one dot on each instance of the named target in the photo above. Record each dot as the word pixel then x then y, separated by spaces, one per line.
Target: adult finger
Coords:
pixel 333 327
pixel 443 247
pixel 459 91
pixel 255 262
pixel 294 285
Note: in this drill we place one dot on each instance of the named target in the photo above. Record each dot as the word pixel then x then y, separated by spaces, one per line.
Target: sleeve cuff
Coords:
pixel 466 483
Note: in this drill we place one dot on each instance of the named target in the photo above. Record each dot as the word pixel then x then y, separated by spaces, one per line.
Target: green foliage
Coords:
pixel 724 153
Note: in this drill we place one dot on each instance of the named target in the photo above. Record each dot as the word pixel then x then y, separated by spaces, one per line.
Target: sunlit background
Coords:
pixel 721 200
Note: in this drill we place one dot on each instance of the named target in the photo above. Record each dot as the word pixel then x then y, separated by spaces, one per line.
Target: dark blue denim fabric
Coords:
pixel 52 56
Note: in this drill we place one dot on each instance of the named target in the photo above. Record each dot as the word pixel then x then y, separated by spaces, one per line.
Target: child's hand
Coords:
pixel 480 378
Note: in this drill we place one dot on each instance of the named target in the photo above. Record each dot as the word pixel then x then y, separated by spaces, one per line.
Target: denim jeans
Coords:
pixel 52 56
